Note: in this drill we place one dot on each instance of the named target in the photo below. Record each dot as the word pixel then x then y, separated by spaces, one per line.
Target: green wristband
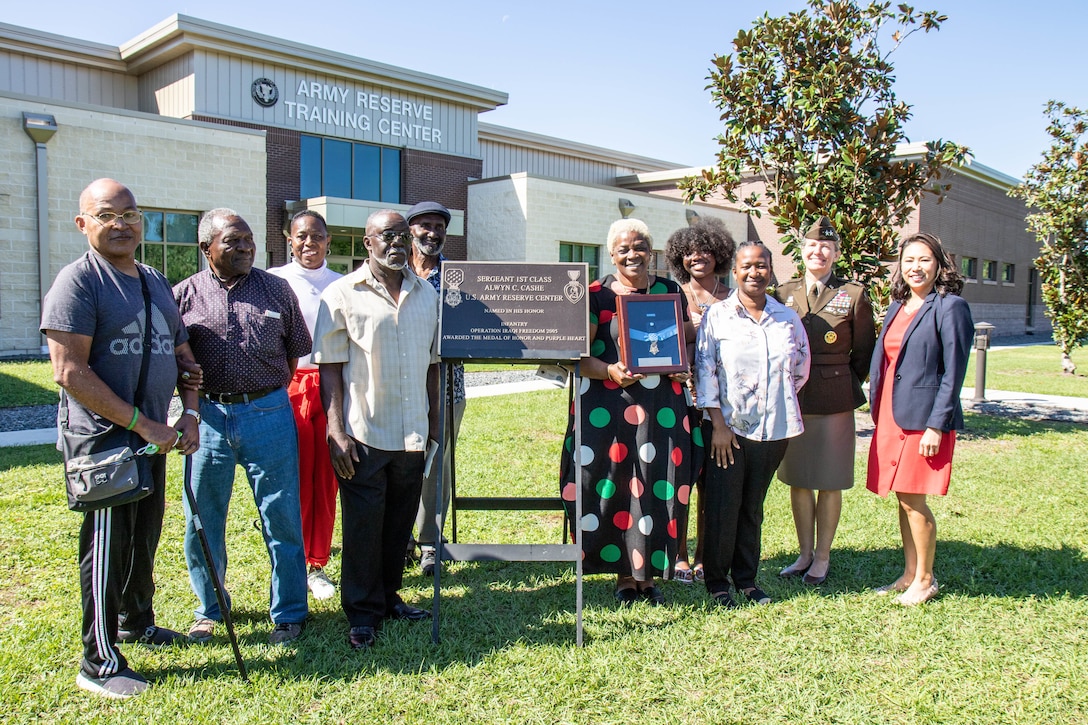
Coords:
pixel 135 415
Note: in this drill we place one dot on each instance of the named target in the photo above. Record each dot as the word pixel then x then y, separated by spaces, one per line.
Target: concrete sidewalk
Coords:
pixel 49 435
pixel 40 436
pixel 1052 401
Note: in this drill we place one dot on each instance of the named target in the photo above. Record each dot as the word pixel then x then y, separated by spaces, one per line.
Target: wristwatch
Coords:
pixel 194 413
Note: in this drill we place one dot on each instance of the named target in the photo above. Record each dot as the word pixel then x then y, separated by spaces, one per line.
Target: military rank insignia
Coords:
pixel 839 304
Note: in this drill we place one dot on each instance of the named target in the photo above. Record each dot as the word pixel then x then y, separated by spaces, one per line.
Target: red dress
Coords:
pixel 894 461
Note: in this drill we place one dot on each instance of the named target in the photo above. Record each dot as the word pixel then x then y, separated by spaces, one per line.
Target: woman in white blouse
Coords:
pixel 751 359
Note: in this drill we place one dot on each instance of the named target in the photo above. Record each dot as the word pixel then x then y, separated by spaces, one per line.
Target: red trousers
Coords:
pixel 316 479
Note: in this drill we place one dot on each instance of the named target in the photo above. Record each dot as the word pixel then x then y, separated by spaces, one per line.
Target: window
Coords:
pixel 170 244
pixel 989 271
pixel 346 252
pixel 659 267
pixel 588 253
pixel 332 167
pixel 969 267
pixel 1008 273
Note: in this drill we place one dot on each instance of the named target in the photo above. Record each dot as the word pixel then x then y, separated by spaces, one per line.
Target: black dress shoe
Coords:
pixel 626 596
pixel 405 611
pixel 361 637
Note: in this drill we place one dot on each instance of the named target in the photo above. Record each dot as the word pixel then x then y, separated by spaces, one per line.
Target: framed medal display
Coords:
pixel 651 335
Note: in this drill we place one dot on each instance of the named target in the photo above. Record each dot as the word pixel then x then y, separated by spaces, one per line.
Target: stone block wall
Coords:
pixel 169 164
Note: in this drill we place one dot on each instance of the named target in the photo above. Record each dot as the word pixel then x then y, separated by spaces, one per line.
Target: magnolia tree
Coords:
pixel 810 114
pixel 1056 189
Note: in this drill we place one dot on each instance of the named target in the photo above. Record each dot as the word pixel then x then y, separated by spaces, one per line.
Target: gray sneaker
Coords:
pixel 125 684
pixel 285 632
pixel 428 560
pixel 202 630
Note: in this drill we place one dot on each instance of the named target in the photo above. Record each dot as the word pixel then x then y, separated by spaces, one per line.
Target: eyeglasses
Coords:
pixel 390 237
pixel 132 218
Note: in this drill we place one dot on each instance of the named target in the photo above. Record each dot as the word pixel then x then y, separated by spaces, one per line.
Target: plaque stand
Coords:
pixel 503 552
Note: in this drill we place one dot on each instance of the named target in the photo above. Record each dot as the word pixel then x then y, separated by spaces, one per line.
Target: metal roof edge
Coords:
pixel 180 33
pixel 61 47
pixel 505 134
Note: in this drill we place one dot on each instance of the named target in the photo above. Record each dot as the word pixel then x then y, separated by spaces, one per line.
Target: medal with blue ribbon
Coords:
pixel 654 336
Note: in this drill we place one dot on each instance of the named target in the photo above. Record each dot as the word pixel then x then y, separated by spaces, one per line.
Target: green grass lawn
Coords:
pixel 1033 369
pixel 1004 643
pixel 27 383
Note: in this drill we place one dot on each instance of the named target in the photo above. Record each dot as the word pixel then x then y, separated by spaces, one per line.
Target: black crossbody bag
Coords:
pixel 102 469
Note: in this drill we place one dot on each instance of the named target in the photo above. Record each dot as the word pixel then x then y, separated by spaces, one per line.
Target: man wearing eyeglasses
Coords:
pixel 247 332
pixel 95 318
pixel 376 347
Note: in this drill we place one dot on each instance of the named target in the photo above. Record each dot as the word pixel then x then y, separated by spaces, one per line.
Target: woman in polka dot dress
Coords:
pixel 636 438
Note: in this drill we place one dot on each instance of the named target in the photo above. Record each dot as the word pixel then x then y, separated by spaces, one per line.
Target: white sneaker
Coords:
pixel 320 585
pixel 125 684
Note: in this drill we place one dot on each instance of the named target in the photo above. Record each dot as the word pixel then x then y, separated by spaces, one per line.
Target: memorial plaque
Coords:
pixel 652 340
pixel 514 311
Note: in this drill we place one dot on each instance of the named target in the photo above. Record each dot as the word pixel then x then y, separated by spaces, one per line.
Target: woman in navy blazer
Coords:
pixel 914 383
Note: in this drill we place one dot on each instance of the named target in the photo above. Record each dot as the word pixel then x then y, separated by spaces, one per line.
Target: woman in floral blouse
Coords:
pixel 751 359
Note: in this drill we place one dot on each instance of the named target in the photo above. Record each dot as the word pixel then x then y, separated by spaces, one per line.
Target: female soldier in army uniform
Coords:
pixel 819 464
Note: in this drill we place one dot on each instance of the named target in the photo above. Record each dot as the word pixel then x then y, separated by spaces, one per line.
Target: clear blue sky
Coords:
pixel 631 76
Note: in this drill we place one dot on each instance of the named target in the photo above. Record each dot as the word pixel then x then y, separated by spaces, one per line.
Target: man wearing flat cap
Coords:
pixel 427 222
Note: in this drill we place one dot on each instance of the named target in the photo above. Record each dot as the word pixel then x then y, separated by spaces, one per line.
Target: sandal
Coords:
pixel 684 576
pixel 652 596
pixel 756 595
pixel 697 572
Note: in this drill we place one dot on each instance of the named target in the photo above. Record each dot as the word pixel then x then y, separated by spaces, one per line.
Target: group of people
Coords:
pixel 776 378
pixel 311 381
pixel 317 383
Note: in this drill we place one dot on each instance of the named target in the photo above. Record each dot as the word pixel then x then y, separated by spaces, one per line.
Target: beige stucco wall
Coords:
pixel 168 164
pixel 525 218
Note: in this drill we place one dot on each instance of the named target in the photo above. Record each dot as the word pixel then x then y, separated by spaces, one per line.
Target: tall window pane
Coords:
pixel 181 261
pixel 340 246
pixel 153 226
pixel 391 175
pixel 588 253
pixel 336 171
pixel 153 256
pixel 310 167
pixel 367 173
pixel 181 228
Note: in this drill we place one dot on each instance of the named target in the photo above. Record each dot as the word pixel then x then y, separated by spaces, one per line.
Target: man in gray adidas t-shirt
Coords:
pixel 94 318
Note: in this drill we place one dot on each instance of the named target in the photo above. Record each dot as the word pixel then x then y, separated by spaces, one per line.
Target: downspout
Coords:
pixel 41 127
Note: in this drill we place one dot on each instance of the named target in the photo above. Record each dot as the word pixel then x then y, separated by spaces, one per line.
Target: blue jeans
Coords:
pixel 260 436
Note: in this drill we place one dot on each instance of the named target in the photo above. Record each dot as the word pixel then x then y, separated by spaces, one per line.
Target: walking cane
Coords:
pixel 220 595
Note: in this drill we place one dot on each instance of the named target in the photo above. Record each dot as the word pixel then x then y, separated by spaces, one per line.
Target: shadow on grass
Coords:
pixel 16 391
pixel 475 623
pixel 45 454
pixel 487 608
pixel 962 568
pixel 979 427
